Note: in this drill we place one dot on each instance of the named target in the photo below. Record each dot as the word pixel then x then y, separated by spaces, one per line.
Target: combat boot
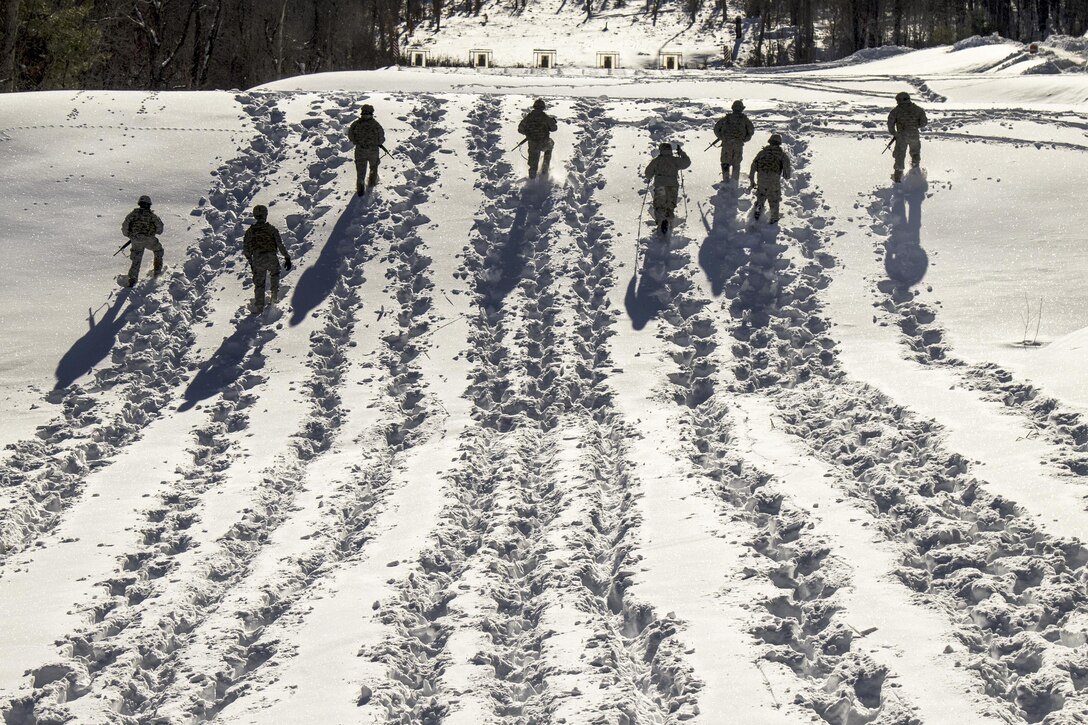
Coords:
pixel 897 175
pixel 372 181
pixel 725 173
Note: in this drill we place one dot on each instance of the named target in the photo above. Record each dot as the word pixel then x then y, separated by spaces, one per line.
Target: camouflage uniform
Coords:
pixel 733 130
pixel 260 244
pixel 769 167
pixel 537 127
pixel 665 169
pixel 141 225
pixel 904 122
pixel 368 136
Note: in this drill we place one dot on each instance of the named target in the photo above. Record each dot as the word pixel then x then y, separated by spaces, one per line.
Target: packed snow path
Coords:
pixel 502 455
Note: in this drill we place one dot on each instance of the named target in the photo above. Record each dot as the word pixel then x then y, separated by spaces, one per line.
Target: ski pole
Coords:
pixel 121 248
pixel 685 193
pixel 638 233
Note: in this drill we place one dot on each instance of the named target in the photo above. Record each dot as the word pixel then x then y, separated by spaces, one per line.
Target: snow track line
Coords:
pixel 153 649
pixel 509 260
pixel 923 335
pixel 356 506
pixel 781 339
pixel 1015 590
pixel 780 342
pixel 911 641
pixel 471 642
pixel 593 276
pixel 805 627
pixel 149 359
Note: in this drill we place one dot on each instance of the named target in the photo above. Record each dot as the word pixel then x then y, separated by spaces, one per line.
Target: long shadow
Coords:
pixel 226 366
pixel 648 291
pixel 905 262
pixel 722 252
pixel 318 281
pixel 95 344
pixel 507 257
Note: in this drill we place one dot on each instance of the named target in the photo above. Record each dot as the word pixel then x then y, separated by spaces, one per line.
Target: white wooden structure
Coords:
pixel 543 58
pixel 480 58
pixel 672 61
pixel 418 57
pixel 608 60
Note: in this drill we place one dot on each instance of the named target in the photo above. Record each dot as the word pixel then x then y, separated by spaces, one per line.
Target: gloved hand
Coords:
pixel 287 263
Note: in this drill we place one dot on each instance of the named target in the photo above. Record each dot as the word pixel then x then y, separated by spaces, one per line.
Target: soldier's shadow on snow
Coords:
pixel 95 344
pixel 722 252
pixel 507 261
pixel 316 283
pixel 226 366
pixel 905 261
pixel 648 291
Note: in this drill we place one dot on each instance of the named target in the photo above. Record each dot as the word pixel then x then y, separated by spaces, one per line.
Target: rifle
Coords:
pixel 383 148
pixel 888 146
pixel 523 141
pixel 713 143
pixel 121 248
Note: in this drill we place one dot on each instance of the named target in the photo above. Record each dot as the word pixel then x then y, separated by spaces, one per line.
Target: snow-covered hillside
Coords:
pixel 502 456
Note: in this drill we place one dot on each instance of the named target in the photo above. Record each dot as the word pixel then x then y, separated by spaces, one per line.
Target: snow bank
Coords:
pixel 978 41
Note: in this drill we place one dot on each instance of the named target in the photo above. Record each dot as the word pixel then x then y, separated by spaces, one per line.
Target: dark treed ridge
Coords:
pixel 186 44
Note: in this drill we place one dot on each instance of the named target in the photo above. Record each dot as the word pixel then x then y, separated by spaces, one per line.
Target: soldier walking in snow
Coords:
pixel 733 130
pixel 665 170
pixel 537 128
pixel 769 167
pixel 141 227
pixel 260 244
pixel 903 124
pixel 368 136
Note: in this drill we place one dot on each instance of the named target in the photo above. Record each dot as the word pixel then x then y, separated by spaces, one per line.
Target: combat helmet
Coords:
pixel 738 106
pixel 260 212
pixel 539 104
pixel 144 201
pixel 775 139
pixel 902 97
pixel 664 147
pixel 366 110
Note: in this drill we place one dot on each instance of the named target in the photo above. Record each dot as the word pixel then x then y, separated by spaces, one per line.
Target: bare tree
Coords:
pixel 161 38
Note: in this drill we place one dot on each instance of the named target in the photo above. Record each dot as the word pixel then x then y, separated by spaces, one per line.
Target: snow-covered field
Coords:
pixel 499 456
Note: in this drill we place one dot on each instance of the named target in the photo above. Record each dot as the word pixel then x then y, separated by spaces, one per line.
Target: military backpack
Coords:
pixel 143 224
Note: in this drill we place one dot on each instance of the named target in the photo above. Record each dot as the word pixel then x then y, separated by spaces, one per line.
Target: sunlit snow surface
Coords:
pixel 501 455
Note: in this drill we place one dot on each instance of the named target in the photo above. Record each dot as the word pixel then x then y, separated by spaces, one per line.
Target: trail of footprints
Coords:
pixel 131 653
pixel 497 536
pixel 894 211
pixel 542 521
pixel 47 474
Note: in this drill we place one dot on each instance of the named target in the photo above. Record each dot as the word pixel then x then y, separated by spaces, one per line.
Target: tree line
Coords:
pixel 196 44
pixel 189 44
pixel 802 31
